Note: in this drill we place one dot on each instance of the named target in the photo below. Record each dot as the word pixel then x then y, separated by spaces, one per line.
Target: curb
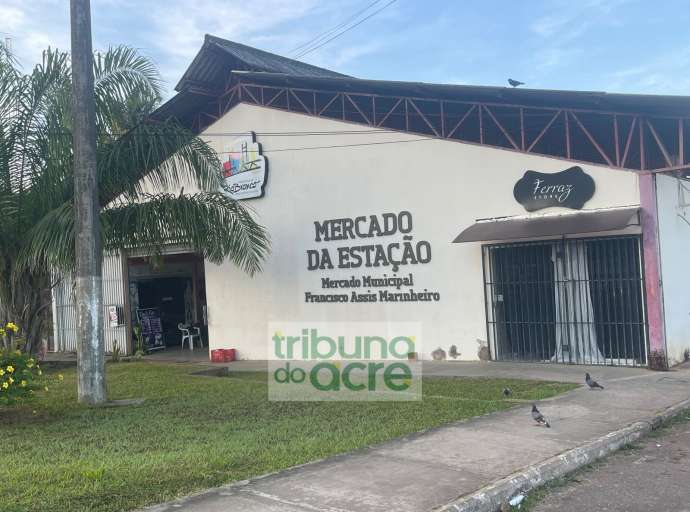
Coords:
pixel 490 497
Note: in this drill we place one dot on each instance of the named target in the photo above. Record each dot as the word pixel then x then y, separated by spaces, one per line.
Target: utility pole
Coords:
pixel 90 347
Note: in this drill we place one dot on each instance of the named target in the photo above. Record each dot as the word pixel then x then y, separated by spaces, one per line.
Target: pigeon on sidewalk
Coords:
pixel 507 392
pixel 593 384
pixel 539 417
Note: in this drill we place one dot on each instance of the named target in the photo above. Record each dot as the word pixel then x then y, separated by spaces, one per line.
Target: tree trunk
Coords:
pixel 23 300
pixel 90 346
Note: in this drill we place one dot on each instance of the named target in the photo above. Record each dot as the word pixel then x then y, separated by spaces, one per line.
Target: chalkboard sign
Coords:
pixel 571 188
pixel 151 327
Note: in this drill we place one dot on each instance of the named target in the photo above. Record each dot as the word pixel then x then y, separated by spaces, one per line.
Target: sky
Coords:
pixel 629 46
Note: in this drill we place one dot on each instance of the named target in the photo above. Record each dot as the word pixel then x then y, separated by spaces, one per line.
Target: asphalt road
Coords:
pixel 653 475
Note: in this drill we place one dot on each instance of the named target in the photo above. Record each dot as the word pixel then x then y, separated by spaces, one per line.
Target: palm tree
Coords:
pixel 135 155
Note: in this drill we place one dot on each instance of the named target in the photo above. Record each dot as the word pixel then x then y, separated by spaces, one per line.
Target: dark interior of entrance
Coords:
pixel 569 301
pixel 164 292
pixel 168 295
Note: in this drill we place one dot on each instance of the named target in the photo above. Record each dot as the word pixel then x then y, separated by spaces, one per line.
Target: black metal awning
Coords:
pixel 510 228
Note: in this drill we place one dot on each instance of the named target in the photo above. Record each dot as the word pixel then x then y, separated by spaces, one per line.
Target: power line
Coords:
pixel 66 133
pixel 298 134
pixel 308 51
pixel 332 146
pixel 380 131
pixel 335 146
pixel 339 26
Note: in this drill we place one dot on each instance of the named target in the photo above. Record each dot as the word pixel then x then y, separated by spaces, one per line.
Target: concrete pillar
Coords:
pixel 89 290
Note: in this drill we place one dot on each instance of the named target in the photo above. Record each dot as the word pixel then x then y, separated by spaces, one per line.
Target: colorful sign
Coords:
pixel 246 169
pixel 571 188
pixel 115 316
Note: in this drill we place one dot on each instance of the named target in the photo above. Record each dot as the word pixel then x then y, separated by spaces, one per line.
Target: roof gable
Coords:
pixel 218 57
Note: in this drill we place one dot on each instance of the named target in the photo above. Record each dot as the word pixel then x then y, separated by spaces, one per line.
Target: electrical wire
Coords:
pixel 308 51
pixel 380 131
pixel 280 150
pixel 299 134
pixel 66 133
pixel 320 37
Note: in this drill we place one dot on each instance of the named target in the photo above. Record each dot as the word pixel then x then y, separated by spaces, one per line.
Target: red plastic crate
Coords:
pixel 223 355
pixel 229 354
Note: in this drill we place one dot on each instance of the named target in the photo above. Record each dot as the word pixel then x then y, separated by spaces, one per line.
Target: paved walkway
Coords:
pixel 427 470
pixel 653 475
pixel 539 371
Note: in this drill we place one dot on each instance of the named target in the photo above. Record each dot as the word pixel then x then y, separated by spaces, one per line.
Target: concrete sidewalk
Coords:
pixel 652 475
pixel 428 470
pixel 495 370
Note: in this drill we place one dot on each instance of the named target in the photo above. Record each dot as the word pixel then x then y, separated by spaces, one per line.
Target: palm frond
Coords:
pixel 34 100
pixel 123 78
pixel 36 172
pixel 10 78
pixel 167 154
pixel 49 244
pixel 208 223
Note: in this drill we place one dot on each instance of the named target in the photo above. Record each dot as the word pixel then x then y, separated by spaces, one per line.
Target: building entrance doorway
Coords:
pixel 164 293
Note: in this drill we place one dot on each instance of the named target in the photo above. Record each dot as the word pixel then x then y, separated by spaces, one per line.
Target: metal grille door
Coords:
pixel 65 310
pixel 568 301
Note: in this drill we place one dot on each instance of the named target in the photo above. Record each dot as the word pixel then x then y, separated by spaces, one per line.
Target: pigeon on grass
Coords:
pixel 507 392
pixel 539 417
pixel 593 384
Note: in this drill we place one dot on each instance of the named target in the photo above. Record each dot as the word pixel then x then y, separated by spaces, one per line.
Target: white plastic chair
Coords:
pixel 189 336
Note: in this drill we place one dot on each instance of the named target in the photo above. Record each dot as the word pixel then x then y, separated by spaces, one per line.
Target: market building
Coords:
pixel 513 224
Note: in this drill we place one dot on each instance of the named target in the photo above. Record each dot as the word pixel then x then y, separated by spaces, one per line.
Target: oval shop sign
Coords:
pixel 571 188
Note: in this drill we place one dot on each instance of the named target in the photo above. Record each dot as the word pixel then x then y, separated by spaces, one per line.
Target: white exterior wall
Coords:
pixel 674 244
pixel 445 185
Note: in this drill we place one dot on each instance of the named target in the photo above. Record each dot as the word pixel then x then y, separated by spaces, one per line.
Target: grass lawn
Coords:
pixel 195 432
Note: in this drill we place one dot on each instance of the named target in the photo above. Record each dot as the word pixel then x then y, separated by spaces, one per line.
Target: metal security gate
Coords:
pixel 577 301
pixel 65 310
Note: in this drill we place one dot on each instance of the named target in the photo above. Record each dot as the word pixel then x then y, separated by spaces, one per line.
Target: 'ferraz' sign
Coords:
pixel 245 170
pixel 571 188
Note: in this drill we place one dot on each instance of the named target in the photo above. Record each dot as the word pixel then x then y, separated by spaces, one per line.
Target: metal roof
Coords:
pixel 219 61
pixel 218 57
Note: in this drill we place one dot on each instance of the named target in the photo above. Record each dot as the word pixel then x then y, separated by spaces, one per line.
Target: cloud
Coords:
pixel 586 44
pixel 569 20
pixel 170 31
pixel 176 29
pixel 668 73
pixel 12 17
pixel 348 54
pixel 561 31
pixel 33 26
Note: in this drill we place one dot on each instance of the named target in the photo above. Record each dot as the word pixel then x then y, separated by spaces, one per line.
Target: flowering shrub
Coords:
pixel 18 371
pixel 8 334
